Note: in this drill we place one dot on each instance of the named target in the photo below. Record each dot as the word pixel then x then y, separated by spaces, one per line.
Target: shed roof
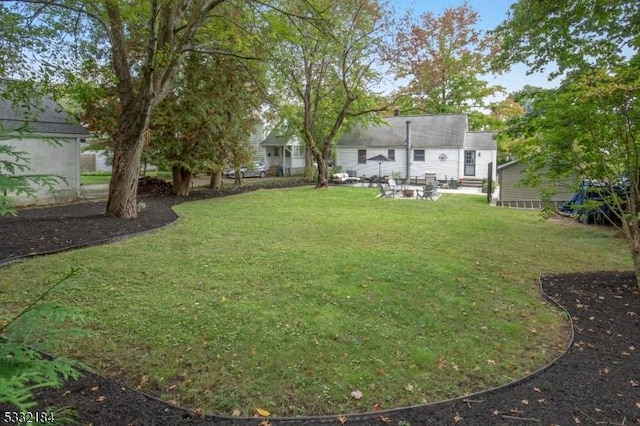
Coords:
pixel 47 117
pixel 427 131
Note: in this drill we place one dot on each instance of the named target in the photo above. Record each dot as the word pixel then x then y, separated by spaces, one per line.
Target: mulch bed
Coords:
pixel 596 382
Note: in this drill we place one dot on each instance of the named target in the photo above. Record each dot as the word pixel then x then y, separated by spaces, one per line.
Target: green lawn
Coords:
pixel 290 300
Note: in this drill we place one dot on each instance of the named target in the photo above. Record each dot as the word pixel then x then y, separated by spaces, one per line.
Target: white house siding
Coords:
pixel 61 159
pixel 482 164
pixel 437 135
pixel 347 158
pixel 444 169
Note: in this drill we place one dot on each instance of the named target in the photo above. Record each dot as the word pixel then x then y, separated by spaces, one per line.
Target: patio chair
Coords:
pixel 392 187
pixel 386 193
pixel 427 192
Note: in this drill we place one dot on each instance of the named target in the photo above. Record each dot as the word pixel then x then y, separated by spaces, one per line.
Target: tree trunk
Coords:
pixel 216 180
pixel 323 178
pixel 126 170
pixel 181 179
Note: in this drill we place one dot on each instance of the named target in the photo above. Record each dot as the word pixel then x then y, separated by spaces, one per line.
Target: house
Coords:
pixel 418 146
pixel 283 152
pixel 51 138
pixel 512 193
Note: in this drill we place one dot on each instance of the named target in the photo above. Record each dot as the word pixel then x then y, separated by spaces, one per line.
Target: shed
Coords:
pixel 51 137
pixel 512 193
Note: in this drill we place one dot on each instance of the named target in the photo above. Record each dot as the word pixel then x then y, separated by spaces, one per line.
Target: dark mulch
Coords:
pixel 596 382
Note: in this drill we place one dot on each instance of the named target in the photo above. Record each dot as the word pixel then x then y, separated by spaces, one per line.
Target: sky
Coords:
pixel 490 14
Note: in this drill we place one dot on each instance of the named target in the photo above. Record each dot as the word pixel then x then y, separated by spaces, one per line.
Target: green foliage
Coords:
pixel 323 72
pixel 23 367
pixel 568 35
pixel 589 125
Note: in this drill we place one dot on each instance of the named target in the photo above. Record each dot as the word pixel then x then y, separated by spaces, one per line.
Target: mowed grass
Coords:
pixel 290 300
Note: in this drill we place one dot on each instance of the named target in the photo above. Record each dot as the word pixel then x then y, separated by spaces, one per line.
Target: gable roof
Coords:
pixel 427 131
pixel 47 117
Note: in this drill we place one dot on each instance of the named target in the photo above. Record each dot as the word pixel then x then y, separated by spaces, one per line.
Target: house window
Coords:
pixel 362 156
pixel 418 155
pixel 391 154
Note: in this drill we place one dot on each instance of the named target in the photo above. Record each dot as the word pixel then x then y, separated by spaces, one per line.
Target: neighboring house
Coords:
pixel 438 145
pixel 93 160
pixel 283 151
pixel 51 137
pixel 512 193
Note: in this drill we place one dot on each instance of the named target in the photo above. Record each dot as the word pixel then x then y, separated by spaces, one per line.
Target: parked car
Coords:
pixel 257 170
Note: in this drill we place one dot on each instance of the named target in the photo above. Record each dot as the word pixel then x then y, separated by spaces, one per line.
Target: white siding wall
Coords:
pixel 482 163
pixel 56 160
pixel 451 168
pixel 433 164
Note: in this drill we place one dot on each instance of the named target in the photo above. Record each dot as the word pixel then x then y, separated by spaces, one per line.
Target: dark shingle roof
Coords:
pixel 427 131
pixel 480 140
pixel 47 117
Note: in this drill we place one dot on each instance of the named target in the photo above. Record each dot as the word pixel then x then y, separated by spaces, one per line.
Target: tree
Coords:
pixel 323 64
pixel 567 35
pixel 589 125
pixel 145 44
pixel 442 59
pixel 205 123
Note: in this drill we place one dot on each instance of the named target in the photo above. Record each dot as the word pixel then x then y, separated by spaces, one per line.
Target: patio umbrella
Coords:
pixel 379 159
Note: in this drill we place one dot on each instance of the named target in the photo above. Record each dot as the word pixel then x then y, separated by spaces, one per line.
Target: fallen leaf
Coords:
pixel 537 390
pixel 342 419
pixel 457 418
pixel 525 401
pixel 262 413
pixel 265 423
pixel 542 401
pixel 409 387
pixel 598 410
pixel 356 394
pixel 95 388
pixel 441 363
pixel 66 393
pixel 377 407
pixel 236 412
pixel 491 362
pixel 384 419
pixel 101 398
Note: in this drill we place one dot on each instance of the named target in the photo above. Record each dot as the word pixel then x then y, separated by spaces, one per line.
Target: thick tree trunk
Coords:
pixel 181 180
pixel 323 174
pixel 124 178
pixel 216 180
